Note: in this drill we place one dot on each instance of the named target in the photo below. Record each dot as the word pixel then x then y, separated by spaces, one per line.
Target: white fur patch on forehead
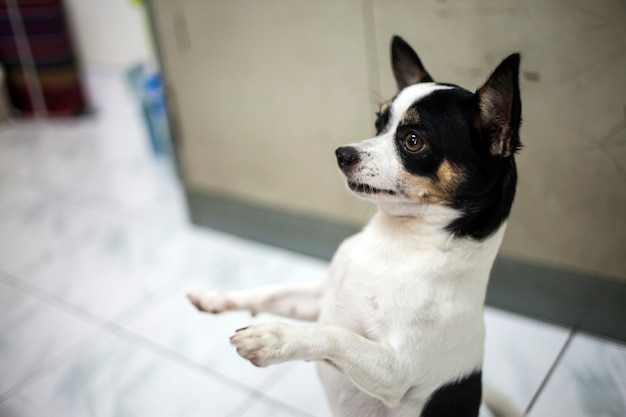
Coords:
pixel 409 96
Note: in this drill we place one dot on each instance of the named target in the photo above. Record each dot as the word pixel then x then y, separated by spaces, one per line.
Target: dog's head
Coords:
pixel 441 145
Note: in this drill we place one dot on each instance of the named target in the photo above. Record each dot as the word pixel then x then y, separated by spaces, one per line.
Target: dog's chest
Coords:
pixel 354 300
pixel 373 286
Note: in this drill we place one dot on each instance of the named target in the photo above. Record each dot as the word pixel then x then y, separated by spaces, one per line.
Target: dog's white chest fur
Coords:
pixel 419 292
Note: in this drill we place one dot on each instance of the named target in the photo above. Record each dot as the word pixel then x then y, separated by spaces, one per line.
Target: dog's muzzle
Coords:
pixel 347 156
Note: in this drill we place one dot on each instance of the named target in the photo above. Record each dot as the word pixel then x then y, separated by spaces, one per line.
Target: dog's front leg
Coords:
pixel 297 301
pixel 372 366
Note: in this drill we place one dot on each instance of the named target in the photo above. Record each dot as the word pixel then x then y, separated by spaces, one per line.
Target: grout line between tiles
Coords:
pixel 254 393
pixel 124 318
pixel 254 398
pixel 170 354
pixel 262 388
pixel 246 404
pixel 104 328
pixel 286 407
pixel 55 363
pixel 546 379
pixel 101 328
pixel 50 299
pixel 176 357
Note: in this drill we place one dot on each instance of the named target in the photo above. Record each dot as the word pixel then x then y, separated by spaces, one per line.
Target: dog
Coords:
pixel 399 320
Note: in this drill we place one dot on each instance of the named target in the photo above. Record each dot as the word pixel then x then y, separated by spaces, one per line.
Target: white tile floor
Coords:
pixel 96 255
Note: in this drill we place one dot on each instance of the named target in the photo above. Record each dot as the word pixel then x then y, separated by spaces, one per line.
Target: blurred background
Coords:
pixel 147 147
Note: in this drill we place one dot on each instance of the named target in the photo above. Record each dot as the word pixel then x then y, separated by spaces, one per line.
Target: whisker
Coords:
pixel 376 97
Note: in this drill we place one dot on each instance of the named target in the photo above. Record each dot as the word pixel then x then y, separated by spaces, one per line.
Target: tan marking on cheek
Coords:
pixel 433 191
pixel 422 189
pixel 449 176
pixel 384 106
pixel 411 117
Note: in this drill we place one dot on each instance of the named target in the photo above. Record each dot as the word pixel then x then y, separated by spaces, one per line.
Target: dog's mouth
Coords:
pixel 368 189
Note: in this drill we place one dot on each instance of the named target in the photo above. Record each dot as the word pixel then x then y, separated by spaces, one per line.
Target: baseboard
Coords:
pixel 312 236
pixel 569 298
pixel 591 304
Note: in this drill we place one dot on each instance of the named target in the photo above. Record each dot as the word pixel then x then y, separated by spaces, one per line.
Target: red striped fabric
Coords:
pixel 50 45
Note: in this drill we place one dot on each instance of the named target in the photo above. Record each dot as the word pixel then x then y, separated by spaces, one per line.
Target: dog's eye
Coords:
pixel 413 143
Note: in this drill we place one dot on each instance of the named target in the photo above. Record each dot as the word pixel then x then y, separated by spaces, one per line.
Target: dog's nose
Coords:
pixel 346 156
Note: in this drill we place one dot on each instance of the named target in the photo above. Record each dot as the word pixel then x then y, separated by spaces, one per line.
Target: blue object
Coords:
pixel 148 86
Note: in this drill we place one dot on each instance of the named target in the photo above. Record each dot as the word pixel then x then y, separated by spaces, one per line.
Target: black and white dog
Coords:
pixel 399 321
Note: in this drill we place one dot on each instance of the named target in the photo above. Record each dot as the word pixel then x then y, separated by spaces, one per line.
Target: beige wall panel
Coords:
pixel 266 92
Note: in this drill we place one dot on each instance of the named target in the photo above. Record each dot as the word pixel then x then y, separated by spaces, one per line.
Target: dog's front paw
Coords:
pixel 214 302
pixel 262 344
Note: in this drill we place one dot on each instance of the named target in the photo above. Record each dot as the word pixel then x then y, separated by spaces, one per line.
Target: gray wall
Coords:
pixel 263 92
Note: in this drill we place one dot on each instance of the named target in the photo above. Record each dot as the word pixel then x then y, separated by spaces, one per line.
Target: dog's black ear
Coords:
pixel 501 108
pixel 407 67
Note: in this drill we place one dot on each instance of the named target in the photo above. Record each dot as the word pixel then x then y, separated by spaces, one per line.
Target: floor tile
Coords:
pixel 115 165
pixel 264 408
pixel 121 264
pixel 226 263
pixel 34 223
pixel 31 334
pixel 121 379
pixel 14 186
pixel 202 338
pixel 301 389
pixel 246 264
pixel 519 352
pixel 589 381
pixel 16 148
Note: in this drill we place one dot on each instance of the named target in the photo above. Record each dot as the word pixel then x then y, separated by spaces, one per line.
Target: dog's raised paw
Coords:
pixel 209 301
pixel 261 344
